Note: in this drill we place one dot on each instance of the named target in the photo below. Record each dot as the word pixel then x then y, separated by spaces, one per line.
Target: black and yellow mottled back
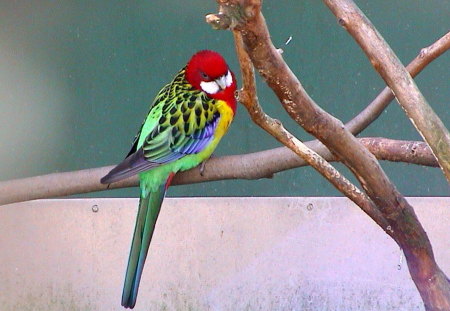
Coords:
pixel 181 121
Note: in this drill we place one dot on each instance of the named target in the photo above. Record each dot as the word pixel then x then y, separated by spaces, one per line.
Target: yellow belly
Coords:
pixel 226 116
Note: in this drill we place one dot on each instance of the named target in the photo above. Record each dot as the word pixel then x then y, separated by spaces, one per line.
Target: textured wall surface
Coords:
pixel 211 254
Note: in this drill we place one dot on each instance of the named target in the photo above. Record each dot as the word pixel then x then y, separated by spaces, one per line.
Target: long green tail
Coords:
pixel 149 207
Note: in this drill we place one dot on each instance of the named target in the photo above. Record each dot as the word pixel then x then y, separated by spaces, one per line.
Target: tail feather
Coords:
pixel 149 207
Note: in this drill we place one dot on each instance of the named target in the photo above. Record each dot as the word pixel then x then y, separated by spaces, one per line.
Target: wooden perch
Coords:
pixel 255 165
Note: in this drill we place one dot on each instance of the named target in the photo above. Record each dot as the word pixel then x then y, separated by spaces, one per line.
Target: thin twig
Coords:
pixel 376 107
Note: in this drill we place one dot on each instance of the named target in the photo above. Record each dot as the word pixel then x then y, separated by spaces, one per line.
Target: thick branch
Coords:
pixel 433 285
pixel 256 165
pixel 406 229
pixel 376 107
pixel 249 99
pixel 308 114
pixel 383 59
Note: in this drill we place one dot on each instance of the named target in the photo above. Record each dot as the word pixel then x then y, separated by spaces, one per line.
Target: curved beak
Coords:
pixel 222 82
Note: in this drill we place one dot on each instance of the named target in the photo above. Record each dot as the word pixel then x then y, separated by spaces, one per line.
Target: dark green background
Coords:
pixel 76 79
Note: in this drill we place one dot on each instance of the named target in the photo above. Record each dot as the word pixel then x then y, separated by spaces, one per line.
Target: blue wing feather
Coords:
pixel 163 150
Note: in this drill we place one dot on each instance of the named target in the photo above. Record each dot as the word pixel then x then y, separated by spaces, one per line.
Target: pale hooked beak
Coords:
pixel 222 82
pixel 219 84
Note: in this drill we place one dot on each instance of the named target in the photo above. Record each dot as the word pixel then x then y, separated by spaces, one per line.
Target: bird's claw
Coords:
pixel 203 165
pixel 202 168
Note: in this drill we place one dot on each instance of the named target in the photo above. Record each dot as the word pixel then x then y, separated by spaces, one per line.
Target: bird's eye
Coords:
pixel 204 75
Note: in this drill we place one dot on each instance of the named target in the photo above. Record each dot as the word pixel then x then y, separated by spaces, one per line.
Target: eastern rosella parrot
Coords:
pixel 185 123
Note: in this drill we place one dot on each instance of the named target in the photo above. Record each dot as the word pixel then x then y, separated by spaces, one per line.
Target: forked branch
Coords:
pixel 376 107
pixel 384 60
pixel 248 98
pixel 407 231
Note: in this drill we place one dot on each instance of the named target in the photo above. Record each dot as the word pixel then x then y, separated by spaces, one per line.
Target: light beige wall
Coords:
pixel 211 254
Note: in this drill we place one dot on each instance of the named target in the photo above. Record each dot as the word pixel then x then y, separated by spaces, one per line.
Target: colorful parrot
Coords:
pixel 185 123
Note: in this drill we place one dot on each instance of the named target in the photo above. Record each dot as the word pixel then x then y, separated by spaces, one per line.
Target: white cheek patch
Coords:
pixel 228 79
pixel 210 87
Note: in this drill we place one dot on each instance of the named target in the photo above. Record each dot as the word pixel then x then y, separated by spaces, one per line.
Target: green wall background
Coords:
pixel 76 79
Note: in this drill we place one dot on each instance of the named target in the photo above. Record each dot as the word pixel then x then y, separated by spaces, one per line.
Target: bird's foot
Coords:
pixel 203 166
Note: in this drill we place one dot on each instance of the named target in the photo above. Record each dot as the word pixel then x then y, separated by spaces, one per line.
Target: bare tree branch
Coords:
pixel 248 98
pixel 376 107
pixel 404 226
pixel 255 165
pixel 397 78
pixel 301 107
pixel 383 99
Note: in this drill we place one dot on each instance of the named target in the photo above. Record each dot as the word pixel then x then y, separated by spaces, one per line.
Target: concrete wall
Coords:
pixel 211 254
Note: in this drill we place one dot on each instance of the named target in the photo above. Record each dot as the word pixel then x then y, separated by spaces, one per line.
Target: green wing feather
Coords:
pixel 181 121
